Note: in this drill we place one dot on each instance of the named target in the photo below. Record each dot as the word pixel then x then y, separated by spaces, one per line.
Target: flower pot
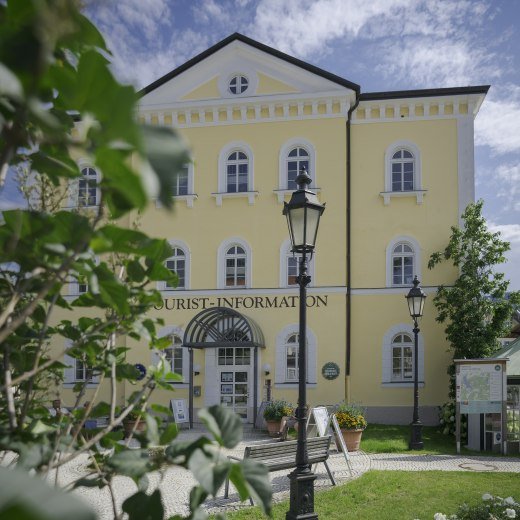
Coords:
pixel 129 426
pixel 273 428
pixel 352 439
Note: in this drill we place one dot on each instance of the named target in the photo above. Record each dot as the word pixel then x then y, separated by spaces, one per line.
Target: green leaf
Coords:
pixel 167 156
pixel 141 506
pixel 224 424
pixel 152 430
pixel 169 434
pixel 132 463
pixel 10 86
pixel 26 497
pixel 252 479
pixel 210 473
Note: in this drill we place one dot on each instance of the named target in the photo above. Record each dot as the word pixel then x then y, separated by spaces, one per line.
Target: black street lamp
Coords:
pixel 415 298
pixel 303 214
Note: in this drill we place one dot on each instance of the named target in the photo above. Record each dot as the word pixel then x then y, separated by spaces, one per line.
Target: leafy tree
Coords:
pixel 59 101
pixel 476 309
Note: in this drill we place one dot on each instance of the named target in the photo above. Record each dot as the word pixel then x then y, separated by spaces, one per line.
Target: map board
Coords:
pixel 481 387
pixel 179 409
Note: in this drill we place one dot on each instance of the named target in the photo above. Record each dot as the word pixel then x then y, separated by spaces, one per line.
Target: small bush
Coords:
pixel 495 508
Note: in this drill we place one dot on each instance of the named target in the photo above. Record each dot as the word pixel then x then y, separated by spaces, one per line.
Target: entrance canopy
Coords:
pixel 222 327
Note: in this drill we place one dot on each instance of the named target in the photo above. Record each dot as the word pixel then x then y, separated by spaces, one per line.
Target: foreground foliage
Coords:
pixel 495 508
pixel 59 102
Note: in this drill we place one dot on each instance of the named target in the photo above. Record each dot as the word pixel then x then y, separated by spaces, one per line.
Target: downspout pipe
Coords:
pixel 349 245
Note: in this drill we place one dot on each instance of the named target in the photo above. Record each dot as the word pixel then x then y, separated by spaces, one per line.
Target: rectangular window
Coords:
pixel 292 363
pixel 174 358
pixel 292 270
pixel 82 372
pixel 180 186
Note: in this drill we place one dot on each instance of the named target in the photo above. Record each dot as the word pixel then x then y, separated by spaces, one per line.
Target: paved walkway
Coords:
pixel 176 482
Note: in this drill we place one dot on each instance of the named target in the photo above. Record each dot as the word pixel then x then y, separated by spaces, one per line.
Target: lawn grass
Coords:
pixel 385 438
pixel 400 495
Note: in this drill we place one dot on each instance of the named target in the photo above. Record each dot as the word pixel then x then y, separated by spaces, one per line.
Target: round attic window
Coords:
pixel 238 84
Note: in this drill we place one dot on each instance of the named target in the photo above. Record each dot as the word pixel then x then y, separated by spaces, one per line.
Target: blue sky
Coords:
pixel 379 44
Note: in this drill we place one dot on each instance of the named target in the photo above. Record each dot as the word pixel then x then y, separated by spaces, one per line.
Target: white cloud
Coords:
pixel 498 122
pixel 305 27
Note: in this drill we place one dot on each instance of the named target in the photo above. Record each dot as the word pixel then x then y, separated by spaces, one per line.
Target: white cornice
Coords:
pixel 416 109
pixel 248 110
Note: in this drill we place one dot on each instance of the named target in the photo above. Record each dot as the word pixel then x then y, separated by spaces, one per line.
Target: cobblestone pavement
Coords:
pixel 176 483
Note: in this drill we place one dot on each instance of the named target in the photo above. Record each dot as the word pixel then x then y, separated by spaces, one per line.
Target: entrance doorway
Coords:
pixel 234 375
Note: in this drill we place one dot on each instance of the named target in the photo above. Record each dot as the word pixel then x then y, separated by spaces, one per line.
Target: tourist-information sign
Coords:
pixel 480 387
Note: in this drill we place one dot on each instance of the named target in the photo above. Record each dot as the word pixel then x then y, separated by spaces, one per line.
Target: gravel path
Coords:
pixel 177 482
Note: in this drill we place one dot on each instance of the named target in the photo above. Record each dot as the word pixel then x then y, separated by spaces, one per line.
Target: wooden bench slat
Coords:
pixel 282 455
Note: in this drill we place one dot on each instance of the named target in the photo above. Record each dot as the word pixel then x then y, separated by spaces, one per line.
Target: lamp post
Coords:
pixel 303 214
pixel 416 298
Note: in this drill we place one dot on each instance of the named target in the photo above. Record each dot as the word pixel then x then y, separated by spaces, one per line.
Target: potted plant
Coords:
pixel 352 422
pixel 134 422
pixel 274 412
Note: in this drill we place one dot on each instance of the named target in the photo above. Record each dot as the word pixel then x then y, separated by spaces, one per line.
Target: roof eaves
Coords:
pixel 433 92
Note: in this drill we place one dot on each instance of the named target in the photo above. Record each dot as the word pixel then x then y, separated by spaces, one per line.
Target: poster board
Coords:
pixel 339 437
pixel 260 421
pixel 320 419
pixel 180 410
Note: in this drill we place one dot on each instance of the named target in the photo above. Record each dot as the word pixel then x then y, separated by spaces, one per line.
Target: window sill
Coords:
pixel 250 195
pixel 418 194
pixel 189 198
pixel 281 193
pixel 70 384
pixel 400 384
pixel 293 384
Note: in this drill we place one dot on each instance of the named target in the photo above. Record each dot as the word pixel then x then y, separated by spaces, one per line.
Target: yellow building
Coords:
pixel 395 169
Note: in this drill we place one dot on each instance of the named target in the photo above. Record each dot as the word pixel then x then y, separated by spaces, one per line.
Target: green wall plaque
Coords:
pixel 330 370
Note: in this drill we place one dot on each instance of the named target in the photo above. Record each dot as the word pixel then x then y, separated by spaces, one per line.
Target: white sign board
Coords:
pixel 480 387
pixel 321 420
pixel 180 410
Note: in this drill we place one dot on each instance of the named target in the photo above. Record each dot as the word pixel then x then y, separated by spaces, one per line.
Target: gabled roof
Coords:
pixel 260 46
pixel 511 351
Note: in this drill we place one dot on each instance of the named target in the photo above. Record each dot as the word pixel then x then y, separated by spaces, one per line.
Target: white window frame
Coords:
pixel 74 186
pixel 179 244
pixel 387 371
pixel 285 254
pixel 171 331
pixel 221 262
pixel 401 347
pixel 280 374
pixel 222 193
pixel 69 379
pixel 418 192
pixel 191 195
pixel 416 248
pixel 297 142
pixel 238 84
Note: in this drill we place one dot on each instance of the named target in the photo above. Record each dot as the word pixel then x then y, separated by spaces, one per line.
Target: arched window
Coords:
pixel 287 348
pixel 403 170
pixel 402 265
pixel 237 172
pixel 402 358
pixel 234 264
pixel 88 191
pixel 178 263
pixel 294 154
pixel 175 355
pixel 235 267
pixel 297 158
pixel 403 261
pixel 398 357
